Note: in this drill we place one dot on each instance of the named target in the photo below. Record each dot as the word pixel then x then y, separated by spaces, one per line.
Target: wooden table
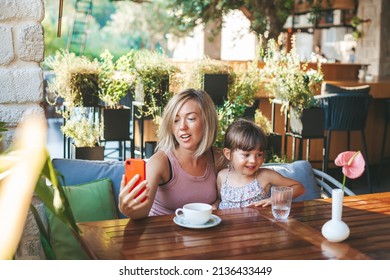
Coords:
pixel 250 233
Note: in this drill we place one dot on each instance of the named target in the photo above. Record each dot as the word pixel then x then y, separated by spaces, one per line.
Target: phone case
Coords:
pixel 135 166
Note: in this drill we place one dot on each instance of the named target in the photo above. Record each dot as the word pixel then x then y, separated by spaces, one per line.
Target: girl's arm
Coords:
pixel 268 178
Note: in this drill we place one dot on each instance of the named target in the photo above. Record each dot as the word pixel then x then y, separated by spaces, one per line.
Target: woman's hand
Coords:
pixel 264 202
pixel 129 200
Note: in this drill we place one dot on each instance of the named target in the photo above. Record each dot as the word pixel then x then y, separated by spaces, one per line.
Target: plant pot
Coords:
pixel 251 111
pixel 87 85
pixel 116 124
pixel 310 124
pixel 216 85
pixel 336 230
pixel 89 153
pixel 156 96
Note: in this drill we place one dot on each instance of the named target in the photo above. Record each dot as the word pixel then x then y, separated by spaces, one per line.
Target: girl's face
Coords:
pixel 188 125
pixel 245 162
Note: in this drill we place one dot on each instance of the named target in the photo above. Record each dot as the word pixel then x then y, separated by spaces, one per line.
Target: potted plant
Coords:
pixel 232 90
pixel 274 147
pixel 292 83
pixel 77 83
pixel 76 79
pixel 115 80
pixel 216 77
pixel 246 84
pixel 153 71
pixel 85 131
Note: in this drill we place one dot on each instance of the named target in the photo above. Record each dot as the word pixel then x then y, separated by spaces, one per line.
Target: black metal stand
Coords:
pixel 137 110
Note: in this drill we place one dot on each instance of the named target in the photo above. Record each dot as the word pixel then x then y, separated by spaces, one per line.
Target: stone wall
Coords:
pixel 21 51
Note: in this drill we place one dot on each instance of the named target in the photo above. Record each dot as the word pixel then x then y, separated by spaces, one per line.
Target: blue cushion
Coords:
pixel 301 171
pixel 77 171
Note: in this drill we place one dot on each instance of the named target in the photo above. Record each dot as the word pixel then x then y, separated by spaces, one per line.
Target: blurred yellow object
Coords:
pixel 20 170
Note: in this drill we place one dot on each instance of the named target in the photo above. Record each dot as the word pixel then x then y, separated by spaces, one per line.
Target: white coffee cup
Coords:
pixel 195 213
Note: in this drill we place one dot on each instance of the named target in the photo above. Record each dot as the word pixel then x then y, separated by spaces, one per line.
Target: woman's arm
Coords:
pixel 219 184
pixel 157 171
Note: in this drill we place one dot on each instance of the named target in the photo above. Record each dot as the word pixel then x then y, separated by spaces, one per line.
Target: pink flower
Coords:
pixel 353 164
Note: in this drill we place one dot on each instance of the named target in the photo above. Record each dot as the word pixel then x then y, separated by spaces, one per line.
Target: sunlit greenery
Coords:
pixel 264 15
pixel 124 25
pixel 288 79
pixel 116 26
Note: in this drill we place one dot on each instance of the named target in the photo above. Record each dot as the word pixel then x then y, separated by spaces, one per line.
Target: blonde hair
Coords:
pixel 167 140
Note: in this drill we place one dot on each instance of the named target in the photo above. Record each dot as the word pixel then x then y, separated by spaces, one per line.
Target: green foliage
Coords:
pixel 73 75
pixel 229 112
pixel 243 85
pixel 355 22
pixel 194 73
pixel 289 79
pixel 76 76
pixel 81 127
pixel 115 78
pixel 3 128
pixel 262 121
pixel 276 159
pixel 316 10
pixel 264 16
pixel 49 190
pixel 153 71
pixel 247 83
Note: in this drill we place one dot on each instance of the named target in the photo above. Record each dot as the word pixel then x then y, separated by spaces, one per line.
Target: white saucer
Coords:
pixel 212 222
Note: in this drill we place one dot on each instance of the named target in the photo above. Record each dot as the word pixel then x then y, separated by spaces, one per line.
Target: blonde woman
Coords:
pixel 184 168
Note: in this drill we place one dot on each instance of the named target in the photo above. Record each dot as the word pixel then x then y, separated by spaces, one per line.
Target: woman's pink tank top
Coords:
pixel 184 188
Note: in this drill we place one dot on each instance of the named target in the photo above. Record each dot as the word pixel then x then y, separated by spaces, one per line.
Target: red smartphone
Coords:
pixel 135 166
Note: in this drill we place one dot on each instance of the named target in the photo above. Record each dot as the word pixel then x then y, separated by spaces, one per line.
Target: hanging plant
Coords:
pixel 317 6
pixel 115 78
pixel 356 25
pixel 76 79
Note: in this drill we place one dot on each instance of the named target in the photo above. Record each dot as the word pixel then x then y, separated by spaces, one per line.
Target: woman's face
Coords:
pixel 188 125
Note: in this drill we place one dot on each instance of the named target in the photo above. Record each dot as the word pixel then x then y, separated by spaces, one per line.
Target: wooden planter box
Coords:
pixel 216 85
pixel 89 153
pixel 310 125
pixel 116 124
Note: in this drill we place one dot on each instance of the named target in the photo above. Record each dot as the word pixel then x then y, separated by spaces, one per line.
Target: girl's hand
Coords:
pixel 128 200
pixel 265 202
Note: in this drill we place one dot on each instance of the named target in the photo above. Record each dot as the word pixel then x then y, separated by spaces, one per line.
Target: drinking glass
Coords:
pixel 281 198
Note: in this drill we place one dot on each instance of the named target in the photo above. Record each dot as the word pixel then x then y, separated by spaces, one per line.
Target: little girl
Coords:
pixel 244 183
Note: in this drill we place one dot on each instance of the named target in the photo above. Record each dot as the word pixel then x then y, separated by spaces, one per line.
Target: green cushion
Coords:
pixel 93 201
